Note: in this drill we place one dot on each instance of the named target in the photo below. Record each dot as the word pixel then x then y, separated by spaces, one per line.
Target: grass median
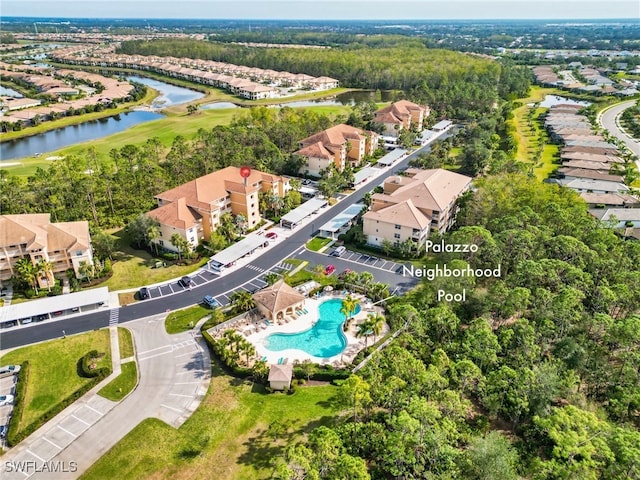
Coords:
pixel 123 384
pixel 54 369
pixel 185 319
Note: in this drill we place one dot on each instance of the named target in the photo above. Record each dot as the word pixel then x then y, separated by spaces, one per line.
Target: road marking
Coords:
pixel 154 356
pixel 180 395
pixel 154 349
pixel 39 458
pixel 91 408
pixel 47 440
pixel 171 408
pixel 65 430
pixel 183 355
pixel 80 420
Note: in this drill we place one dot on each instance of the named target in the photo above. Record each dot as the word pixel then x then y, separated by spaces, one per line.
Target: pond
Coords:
pixel 9 92
pixel 218 105
pixel 169 94
pixel 63 137
pixel 551 100
pixel 346 98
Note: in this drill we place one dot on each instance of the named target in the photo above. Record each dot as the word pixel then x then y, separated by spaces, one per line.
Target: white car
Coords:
pixel 9 370
pixel 6 400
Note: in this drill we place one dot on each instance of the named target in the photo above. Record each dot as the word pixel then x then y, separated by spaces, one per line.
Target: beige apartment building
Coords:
pixel 400 115
pixel 336 146
pixel 193 209
pixel 65 245
pixel 413 206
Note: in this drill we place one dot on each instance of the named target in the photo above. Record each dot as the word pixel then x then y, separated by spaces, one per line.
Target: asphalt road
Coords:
pixel 609 120
pixel 288 248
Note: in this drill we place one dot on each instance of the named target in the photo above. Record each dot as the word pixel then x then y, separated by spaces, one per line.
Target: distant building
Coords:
pixel 336 146
pixel 400 115
pixel 65 245
pixel 412 206
pixel 193 209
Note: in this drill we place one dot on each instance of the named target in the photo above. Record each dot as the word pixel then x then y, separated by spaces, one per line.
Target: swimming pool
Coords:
pixel 325 339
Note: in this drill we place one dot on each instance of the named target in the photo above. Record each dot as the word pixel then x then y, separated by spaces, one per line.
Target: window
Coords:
pixel 396 235
pixel 398 227
pixel 78 253
pixel 161 242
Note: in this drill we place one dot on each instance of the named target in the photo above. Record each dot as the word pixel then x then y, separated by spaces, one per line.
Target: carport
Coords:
pixel 365 174
pixel 229 255
pixel 58 305
pixel 341 222
pixel 295 216
pixel 392 157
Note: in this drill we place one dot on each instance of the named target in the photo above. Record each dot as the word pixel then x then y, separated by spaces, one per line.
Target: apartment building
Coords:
pixel 413 206
pixel 336 146
pixel 65 245
pixel 400 115
pixel 193 209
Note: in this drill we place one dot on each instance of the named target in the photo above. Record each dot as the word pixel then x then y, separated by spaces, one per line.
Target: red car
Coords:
pixel 329 270
pixel 271 235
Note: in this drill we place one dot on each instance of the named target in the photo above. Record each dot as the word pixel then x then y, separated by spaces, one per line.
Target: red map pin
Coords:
pixel 245 172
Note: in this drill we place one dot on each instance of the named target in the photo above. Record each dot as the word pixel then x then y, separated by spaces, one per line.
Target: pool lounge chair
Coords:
pixel 280 360
pixel 263 359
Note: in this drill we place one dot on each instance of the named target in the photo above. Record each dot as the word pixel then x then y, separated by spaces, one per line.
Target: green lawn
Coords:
pixel 185 319
pixel 226 438
pixel 132 268
pixel 124 383
pixel 317 243
pixel 54 369
pixel 125 339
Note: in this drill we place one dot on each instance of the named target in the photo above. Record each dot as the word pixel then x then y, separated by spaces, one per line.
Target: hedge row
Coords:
pixel 233 369
pixel 18 403
pixel 96 375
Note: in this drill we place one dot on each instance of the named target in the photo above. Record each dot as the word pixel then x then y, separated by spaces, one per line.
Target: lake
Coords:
pixel 346 98
pixel 63 137
pixel 169 94
pixel 218 105
pixel 551 100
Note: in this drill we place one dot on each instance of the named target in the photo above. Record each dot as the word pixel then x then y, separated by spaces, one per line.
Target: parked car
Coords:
pixel 9 324
pixel 9 370
pixel 211 302
pixel 329 270
pixel 186 281
pixel 24 321
pixel 271 235
pixel 143 293
pixel 338 251
pixel 6 400
pixel 39 318
pixel 3 431
pixel 343 274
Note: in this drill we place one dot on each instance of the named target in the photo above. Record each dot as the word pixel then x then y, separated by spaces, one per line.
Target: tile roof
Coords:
pixel 37 231
pixel 278 297
pixel 404 213
pixel 176 214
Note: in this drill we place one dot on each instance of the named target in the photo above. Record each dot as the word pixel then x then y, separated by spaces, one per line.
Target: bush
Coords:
pixel 229 367
pixel 85 370
pixel 29 293
pixel 172 257
pixel 107 266
pixel 18 405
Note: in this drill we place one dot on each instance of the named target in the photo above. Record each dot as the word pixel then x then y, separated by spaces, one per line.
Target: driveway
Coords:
pixel 174 372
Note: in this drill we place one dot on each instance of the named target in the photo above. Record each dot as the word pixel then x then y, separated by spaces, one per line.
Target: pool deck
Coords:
pixel 305 322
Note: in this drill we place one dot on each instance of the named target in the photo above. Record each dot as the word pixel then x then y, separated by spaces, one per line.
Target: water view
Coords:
pixel 346 98
pixel 63 137
pixel 92 130
pixel 551 100
pixel 169 94
pixel 218 105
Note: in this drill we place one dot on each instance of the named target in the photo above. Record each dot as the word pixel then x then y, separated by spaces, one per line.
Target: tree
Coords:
pixel 308 368
pixel 364 330
pixel 271 278
pixel 103 245
pixel 241 223
pixel 153 234
pixel 138 228
pixel 44 269
pixel 490 458
pixel 227 227
pixel 181 244
pixel 376 322
pixel 349 306
pixel 242 301
pixel 27 272
pixel 354 394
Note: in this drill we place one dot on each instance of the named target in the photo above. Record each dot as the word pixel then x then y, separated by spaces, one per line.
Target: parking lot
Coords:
pixel 175 286
pixel 7 387
pixel 370 260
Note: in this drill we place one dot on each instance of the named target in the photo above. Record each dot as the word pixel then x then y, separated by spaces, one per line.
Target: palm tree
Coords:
pixel 45 268
pixel 242 301
pixel 153 234
pixel 378 291
pixel 349 306
pixel 364 330
pixel 376 322
pixel 178 242
pixel 241 223
pixel 271 278
pixel 27 272
pixel 365 280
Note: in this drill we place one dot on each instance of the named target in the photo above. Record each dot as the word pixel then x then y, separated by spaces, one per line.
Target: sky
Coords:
pixel 326 9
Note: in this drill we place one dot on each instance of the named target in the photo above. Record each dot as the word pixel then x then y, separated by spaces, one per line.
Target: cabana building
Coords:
pixel 278 300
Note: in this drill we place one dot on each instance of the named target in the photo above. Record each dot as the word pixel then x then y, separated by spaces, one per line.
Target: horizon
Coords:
pixel 327 10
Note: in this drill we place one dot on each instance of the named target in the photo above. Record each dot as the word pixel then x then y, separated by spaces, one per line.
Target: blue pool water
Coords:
pixel 324 339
